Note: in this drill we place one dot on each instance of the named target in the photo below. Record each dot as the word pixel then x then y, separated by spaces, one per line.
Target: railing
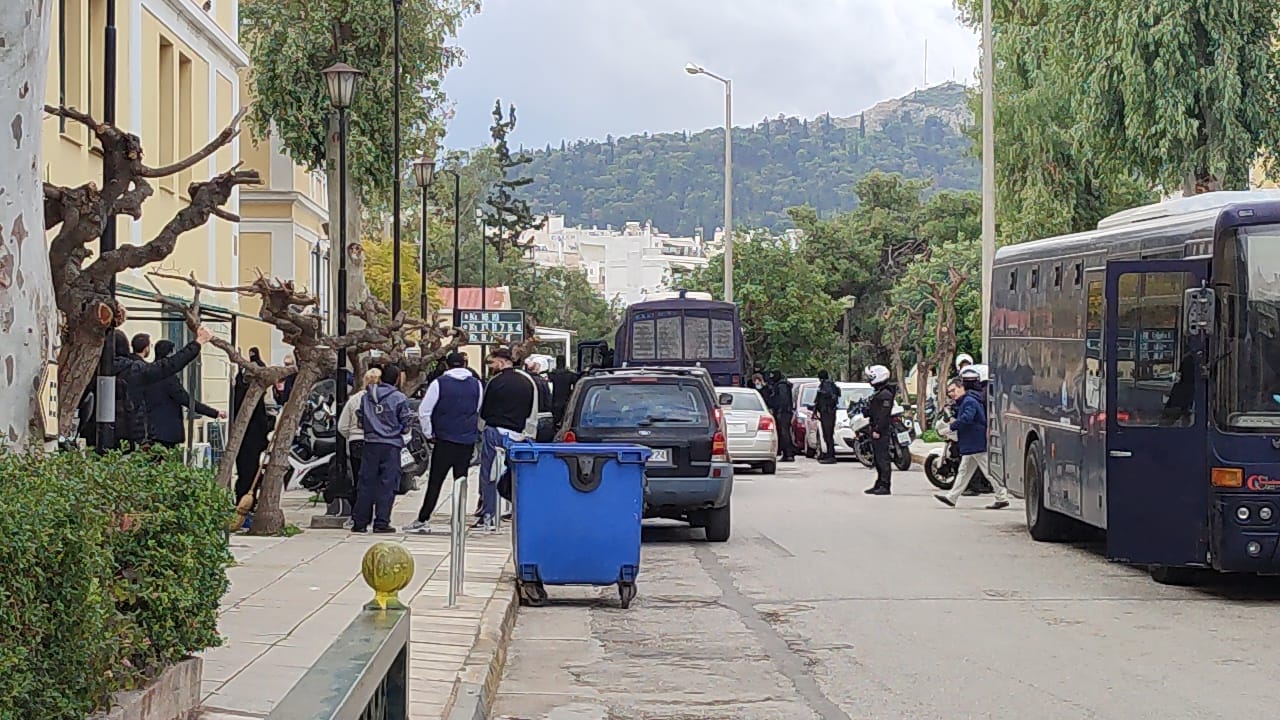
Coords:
pixel 364 675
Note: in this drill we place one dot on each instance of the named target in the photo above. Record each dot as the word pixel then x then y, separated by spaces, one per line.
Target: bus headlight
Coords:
pixel 1254 548
pixel 1264 513
pixel 1242 514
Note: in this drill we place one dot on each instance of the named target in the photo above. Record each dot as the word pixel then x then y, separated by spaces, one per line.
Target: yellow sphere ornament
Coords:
pixel 387 568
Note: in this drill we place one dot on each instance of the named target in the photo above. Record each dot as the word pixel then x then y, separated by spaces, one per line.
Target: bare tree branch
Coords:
pixel 227 135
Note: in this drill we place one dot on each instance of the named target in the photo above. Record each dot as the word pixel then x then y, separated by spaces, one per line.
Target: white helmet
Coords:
pixel 974 373
pixel 963 358
pixel 876 374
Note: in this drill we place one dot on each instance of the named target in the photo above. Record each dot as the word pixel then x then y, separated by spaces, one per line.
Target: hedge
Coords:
pixel 112 567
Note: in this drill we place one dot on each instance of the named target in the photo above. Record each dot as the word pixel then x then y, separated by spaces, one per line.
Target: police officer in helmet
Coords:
pixel 880 412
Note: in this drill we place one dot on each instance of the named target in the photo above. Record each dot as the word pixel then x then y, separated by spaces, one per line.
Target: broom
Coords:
pixel 245 505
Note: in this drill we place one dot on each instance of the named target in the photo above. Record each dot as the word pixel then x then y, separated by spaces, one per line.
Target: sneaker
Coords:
pixel 349 524
pixel 359 531
pixel 481 523
pixel 827 461
pixel 877 490
pixel 384 530
pixel 418 526
pixel 998 505
pixel 946 500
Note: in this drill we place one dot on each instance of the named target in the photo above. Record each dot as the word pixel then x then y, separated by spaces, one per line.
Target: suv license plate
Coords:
pixel 660 456
pixel 904 438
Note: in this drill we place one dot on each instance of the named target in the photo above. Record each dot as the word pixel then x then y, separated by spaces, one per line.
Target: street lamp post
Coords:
pixel 988 174
pixel 457 239
pixel 105 396
pixel 424 170
pixel 728 174
pixel 342 81
pixel 484 260
pixel 395 188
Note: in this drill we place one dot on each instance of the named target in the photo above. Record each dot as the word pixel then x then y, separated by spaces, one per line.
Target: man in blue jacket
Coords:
pixel 971 435
pixel 384 416
pixel 450 416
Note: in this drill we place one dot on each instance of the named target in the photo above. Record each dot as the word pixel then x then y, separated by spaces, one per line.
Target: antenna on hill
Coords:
pixel 926 62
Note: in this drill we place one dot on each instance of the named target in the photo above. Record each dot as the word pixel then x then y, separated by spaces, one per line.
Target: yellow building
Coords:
pixel 180 82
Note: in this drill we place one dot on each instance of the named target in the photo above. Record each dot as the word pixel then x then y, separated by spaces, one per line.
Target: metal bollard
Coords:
pixel 457 540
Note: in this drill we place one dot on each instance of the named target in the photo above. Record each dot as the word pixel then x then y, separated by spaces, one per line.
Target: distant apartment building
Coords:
pixel 627 264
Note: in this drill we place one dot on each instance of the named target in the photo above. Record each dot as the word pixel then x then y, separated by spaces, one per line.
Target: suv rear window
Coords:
pixel 641 405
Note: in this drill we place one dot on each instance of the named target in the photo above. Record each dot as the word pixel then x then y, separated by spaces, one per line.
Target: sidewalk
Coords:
pixel 290 597
pixel 921 449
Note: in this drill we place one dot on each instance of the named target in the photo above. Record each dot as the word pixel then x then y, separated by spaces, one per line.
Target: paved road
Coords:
pixel 830 604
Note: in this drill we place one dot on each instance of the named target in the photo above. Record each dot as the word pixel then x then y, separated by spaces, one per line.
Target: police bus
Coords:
pixel 1136 383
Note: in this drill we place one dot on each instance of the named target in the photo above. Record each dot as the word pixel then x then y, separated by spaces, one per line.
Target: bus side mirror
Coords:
pixel 1198 308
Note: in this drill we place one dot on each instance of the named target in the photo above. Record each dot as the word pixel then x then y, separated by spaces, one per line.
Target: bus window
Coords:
pixel 1094 368
pixel 1155 382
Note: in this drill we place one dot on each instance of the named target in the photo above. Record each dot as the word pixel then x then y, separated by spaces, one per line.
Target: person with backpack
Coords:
pixel 384 418
pixel 825 404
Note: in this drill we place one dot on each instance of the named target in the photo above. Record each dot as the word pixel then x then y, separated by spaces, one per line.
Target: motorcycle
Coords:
pixel 943 464
pixel 415 456
pixel 316 442
pixel 899 440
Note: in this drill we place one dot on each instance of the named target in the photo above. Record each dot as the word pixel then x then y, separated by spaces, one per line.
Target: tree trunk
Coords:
pixel 922 379
pixel 227 466
pixel 28 316
pixel 77 364
pixel 268 518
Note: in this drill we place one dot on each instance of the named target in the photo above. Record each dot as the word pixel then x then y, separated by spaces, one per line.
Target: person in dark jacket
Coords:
pixel 133 376
pixel 546 418
pixel 562 381
pixel 826 403
pixel 971 438
pixel 784 410
pixel 450 417
pixel 255 441
pixel 879 411
pixel 166 402
pixel 385 418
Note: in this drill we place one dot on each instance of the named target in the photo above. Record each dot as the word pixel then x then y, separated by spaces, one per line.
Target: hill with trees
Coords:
pixel 675 179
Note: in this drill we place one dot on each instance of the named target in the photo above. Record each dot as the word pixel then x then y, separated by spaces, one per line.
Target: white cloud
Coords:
pixel 588 68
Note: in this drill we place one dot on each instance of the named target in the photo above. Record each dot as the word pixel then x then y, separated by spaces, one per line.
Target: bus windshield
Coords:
pixel 1248 394
pixel 669 335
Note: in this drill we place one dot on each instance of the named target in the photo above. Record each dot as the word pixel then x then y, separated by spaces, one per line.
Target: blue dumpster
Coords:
pixel 577 511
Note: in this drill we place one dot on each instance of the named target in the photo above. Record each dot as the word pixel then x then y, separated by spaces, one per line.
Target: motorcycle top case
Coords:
pixel 577 512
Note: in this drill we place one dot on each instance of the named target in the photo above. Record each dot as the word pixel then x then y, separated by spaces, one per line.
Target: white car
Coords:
pixel 752 431
pixel 849 392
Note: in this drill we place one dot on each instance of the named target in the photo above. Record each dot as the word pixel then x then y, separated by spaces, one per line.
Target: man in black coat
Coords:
pixel 166 402
pixel 562 381
pixel 784 410
pixel 825 405
pixel 133 376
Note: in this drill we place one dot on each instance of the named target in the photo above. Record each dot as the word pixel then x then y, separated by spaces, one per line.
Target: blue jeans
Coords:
pixel 379 480
pixel 493 439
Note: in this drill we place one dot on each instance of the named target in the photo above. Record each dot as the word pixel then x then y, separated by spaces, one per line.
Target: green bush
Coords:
pixel 113 567
pixel 931 436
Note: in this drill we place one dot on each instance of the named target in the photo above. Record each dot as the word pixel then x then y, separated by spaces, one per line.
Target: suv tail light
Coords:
pixel 569 437
pixel 766 423
pixel 719 449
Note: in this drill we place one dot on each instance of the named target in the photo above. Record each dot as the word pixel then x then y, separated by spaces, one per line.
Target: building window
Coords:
pixel 91 67
pixel 72 62
pixel 168 70
pixel 185 112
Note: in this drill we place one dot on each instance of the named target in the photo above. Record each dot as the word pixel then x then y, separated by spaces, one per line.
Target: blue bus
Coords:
pixel 1135 383
pixel 684 331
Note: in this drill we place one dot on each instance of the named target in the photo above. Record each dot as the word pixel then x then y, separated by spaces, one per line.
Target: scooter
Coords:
pixel 942 464
pixel 315 444
pixel 415 456
pixel 899 440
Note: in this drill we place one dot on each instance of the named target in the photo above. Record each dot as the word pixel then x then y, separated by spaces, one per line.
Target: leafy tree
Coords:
pixel 560 298
pixel 507 215
pixel 377 272
pixel 1046 183
pixel 788 321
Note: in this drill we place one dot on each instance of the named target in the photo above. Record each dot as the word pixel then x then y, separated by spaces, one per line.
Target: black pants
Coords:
pixel 828 422
pixel 355 453
pixel 785 445
pixel 247 462
pixel 379 479
pixel 447 456
pixel 884 468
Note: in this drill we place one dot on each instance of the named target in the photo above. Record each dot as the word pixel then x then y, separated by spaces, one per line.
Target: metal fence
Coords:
pixel 364 675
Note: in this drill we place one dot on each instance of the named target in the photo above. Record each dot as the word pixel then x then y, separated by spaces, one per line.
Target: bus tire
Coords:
pixel 1043 524
pixel 1180 576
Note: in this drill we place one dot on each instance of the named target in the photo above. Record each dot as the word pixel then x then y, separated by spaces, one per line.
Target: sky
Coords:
pixel 584 69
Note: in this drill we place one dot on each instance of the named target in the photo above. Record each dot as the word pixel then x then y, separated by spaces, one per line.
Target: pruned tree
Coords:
pixel 28 318
pixel 81 214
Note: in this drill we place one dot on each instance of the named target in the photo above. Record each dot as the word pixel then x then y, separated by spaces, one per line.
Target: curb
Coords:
pixel 476 686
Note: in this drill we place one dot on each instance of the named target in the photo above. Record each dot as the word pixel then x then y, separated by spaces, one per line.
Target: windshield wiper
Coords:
pixel 651 419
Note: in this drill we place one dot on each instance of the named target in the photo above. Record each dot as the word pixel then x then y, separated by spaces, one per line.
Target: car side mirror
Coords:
pixel 726 399
pixel 1198 310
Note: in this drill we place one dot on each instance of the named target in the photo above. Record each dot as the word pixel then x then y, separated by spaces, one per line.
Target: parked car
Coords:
pixel 804 391
pixel 849 392
pixel 752 431
pixel 675 413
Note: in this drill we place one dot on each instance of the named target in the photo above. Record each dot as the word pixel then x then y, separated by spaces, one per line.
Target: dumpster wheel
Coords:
pixel 626 593
pixel 532 594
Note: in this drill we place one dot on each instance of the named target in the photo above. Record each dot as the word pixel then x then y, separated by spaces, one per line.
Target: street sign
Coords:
pixel 490 327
